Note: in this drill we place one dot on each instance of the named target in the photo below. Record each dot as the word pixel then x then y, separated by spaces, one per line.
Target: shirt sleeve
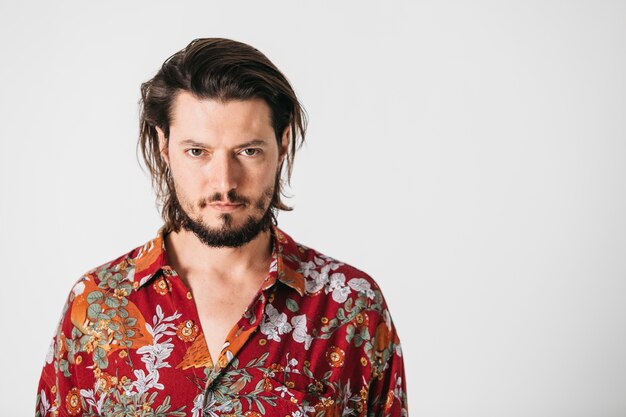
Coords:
pixel 58 393
pixel 387 389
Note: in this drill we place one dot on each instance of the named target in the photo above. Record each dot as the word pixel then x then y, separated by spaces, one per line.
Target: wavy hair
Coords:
pixel 220 69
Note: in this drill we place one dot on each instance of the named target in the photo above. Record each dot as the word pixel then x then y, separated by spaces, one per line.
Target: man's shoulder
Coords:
pixel 135 266
pixel 326 274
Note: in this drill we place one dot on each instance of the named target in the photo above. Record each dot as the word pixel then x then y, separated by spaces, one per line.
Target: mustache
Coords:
pixel 231 197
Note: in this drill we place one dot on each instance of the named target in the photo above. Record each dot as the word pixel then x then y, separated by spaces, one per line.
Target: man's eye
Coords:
pixel 195 152
pixel 250 151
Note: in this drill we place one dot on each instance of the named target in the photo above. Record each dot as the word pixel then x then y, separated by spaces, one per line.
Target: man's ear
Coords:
pixel 284 145
pixel 163 145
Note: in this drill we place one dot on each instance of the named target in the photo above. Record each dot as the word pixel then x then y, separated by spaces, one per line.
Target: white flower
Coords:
pixel 306 268
pixel 338 287
pixel 274 323
pixel 197 405
pixel 283 390
pixel 362 285
pixel 44 405
pixel 300 334
pixel 317 281
pixel 50 354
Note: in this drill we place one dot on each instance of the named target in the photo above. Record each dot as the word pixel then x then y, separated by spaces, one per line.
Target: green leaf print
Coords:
pixel 94 296
pixel 93 311
pixel 292 305
pixel 112 302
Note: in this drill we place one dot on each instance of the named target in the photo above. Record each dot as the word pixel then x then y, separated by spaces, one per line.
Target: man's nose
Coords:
pixel 224 173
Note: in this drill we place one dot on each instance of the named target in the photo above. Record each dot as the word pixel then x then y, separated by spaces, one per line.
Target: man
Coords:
pixel 222 313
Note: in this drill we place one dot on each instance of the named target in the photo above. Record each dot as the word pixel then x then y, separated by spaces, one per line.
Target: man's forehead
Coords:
pixel 195 118
pixel 185 101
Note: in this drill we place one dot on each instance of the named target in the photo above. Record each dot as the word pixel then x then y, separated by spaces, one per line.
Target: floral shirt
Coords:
pixel 317 339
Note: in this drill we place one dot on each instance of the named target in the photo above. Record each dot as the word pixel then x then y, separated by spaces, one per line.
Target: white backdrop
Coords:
pixel 468 155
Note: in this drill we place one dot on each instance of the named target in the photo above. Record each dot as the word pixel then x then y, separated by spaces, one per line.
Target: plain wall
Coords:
pixel 470 156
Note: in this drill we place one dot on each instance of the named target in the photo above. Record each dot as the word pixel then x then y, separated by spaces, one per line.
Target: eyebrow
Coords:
pixel 254 142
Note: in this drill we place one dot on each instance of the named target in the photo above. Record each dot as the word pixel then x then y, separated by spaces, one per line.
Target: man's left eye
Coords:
pixel 250 151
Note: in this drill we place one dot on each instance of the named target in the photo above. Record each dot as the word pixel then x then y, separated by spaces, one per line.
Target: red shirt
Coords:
pixel 316 338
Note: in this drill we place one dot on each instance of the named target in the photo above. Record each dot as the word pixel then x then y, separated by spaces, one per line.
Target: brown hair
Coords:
pixel 221 69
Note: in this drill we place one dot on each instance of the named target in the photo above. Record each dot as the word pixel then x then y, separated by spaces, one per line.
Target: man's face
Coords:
pixel 224 159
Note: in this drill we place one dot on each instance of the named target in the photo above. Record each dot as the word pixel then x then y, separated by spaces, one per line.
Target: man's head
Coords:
pixel 217 122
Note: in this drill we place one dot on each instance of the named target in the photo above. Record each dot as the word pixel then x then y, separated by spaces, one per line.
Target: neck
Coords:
pixel 190 257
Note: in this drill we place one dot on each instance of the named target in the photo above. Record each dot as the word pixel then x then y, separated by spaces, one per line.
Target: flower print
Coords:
pixel 300 334
pixel 120 293
pixel 283 390
pixel 50 354
pixel 317 280
pixel 44 405
pixel 327 406
pixel 72 402
pixel 337 285
pixel 213 409
pixel 197 405
pixel 251 413
pixel 107 381
pixel 315 387
pixel 187 331
pixel 363 286
pixel 162 285
pixel 307 268
pixel 274 323
pixel 361 320
pixel 335 356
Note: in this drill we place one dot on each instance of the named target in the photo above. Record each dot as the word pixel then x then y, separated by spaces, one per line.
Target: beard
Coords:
pixel 227 235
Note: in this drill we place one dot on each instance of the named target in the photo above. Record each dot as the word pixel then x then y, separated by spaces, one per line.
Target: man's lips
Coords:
pixel 226 206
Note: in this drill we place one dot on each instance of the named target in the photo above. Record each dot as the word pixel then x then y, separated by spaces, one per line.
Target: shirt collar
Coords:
pixel 152 258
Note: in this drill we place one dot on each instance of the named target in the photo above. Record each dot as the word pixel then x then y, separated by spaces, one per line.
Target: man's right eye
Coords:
pixel 195 152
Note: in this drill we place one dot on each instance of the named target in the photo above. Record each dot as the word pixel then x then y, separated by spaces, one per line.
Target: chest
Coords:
pixel 219 309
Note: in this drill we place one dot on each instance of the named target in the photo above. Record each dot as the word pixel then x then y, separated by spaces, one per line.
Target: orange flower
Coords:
pixel 276 367
pixel 187 331
pixel 328 407
pixel 120 293
pixel 72 402
pixel 267 385
pixel 107 381
pixel 123 354
pixel 61 345
pixel 162 285
pixel 78 360
pixel 361 320
pixel 335 356
pixel 364 393
pixel 363 361
pixel 251 413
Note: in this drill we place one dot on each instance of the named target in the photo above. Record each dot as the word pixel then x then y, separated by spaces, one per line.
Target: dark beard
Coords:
pixel 226 236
